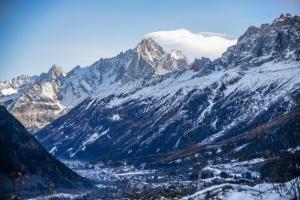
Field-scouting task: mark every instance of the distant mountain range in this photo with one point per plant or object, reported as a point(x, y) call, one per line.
point(253, 82)
point(38, 100)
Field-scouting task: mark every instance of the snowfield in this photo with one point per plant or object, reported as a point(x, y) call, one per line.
point(60, 196)
point(263, 191)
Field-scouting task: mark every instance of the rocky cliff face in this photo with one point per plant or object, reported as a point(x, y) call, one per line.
point(38, 100)
point(39, 103)
point(209, 103)
point(161, 62)
point(276, 41)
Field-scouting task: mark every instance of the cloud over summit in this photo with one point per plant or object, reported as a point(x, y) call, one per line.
point(194, 45)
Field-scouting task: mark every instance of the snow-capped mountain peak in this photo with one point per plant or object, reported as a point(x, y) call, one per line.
point(150, 50)
point(276, 41)
point(161, 61)
point(55, 72)
point(55, 92)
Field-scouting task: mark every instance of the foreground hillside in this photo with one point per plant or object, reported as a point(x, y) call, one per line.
point(26, 168)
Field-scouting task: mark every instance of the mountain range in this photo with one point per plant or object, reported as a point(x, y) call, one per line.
point(157, 110)
point(38, 100)
point(252, 83)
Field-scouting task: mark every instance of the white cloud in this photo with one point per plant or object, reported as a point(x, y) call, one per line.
point(194, 45)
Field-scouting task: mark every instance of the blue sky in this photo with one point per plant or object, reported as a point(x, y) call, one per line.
point(37, 34)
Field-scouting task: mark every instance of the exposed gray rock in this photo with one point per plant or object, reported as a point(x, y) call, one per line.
point(276, 41)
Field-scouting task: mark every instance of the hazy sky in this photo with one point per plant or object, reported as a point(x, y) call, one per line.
point(37, 34)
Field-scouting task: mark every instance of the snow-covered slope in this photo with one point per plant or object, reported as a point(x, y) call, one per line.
point(38, 100)
point(165, 114)
point(264, 191)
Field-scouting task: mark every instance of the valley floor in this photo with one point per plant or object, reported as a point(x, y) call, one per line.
point(126, 181)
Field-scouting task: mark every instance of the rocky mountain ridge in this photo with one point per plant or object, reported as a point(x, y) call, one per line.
point(270, 42)
point(38, 100)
